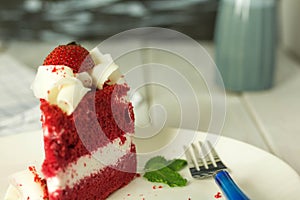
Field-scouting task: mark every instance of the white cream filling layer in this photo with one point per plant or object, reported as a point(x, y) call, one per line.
point(89, 164)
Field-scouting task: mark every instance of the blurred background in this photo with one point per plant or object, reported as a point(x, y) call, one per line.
point(55, 21)
point(47, 20)
point(255, 44)
point(98, 19)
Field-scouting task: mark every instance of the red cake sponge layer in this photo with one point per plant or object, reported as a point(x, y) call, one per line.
point(100, 117)
point(100, 185)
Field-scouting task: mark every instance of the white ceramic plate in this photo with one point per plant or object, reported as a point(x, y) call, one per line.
point(259, 174)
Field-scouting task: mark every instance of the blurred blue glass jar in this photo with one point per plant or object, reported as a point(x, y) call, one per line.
point(245, 40)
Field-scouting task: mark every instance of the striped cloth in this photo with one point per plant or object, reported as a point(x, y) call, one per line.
point(19, 111)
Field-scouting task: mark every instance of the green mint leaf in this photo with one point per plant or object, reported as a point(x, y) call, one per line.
point(166, 175)
point(177, 164)
point(156, 163)
point(158, 169)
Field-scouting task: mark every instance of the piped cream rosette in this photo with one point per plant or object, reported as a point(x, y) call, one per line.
point(60, 86)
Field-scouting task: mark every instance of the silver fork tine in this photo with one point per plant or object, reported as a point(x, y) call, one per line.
point(203, 160)
point(191, 159)
point(199, 155)
point(208, 157)
point(216, 157)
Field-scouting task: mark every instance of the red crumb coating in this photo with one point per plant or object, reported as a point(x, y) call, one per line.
point(100, 185)
point(71, 55)
point(100, 117)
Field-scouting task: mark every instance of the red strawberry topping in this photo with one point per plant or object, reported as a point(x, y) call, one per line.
point(71, 55)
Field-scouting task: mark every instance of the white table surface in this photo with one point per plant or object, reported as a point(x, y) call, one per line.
point(266, 119)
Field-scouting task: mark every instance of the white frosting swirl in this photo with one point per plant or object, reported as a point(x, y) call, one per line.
point(60, 86)
point(105, 69)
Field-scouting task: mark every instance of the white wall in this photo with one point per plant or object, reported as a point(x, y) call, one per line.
point(290, 25)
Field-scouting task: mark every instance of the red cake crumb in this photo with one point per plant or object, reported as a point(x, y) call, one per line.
point(154, 187)
point(218, 195)
point(40, 181)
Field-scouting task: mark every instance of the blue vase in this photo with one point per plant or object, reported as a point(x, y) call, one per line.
point(245, 40)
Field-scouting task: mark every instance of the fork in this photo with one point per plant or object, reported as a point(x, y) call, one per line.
point(204, 162)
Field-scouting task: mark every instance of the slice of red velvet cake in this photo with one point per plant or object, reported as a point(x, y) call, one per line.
point(87, 123)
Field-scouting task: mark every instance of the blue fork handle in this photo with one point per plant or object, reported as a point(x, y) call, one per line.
point(228, 186)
